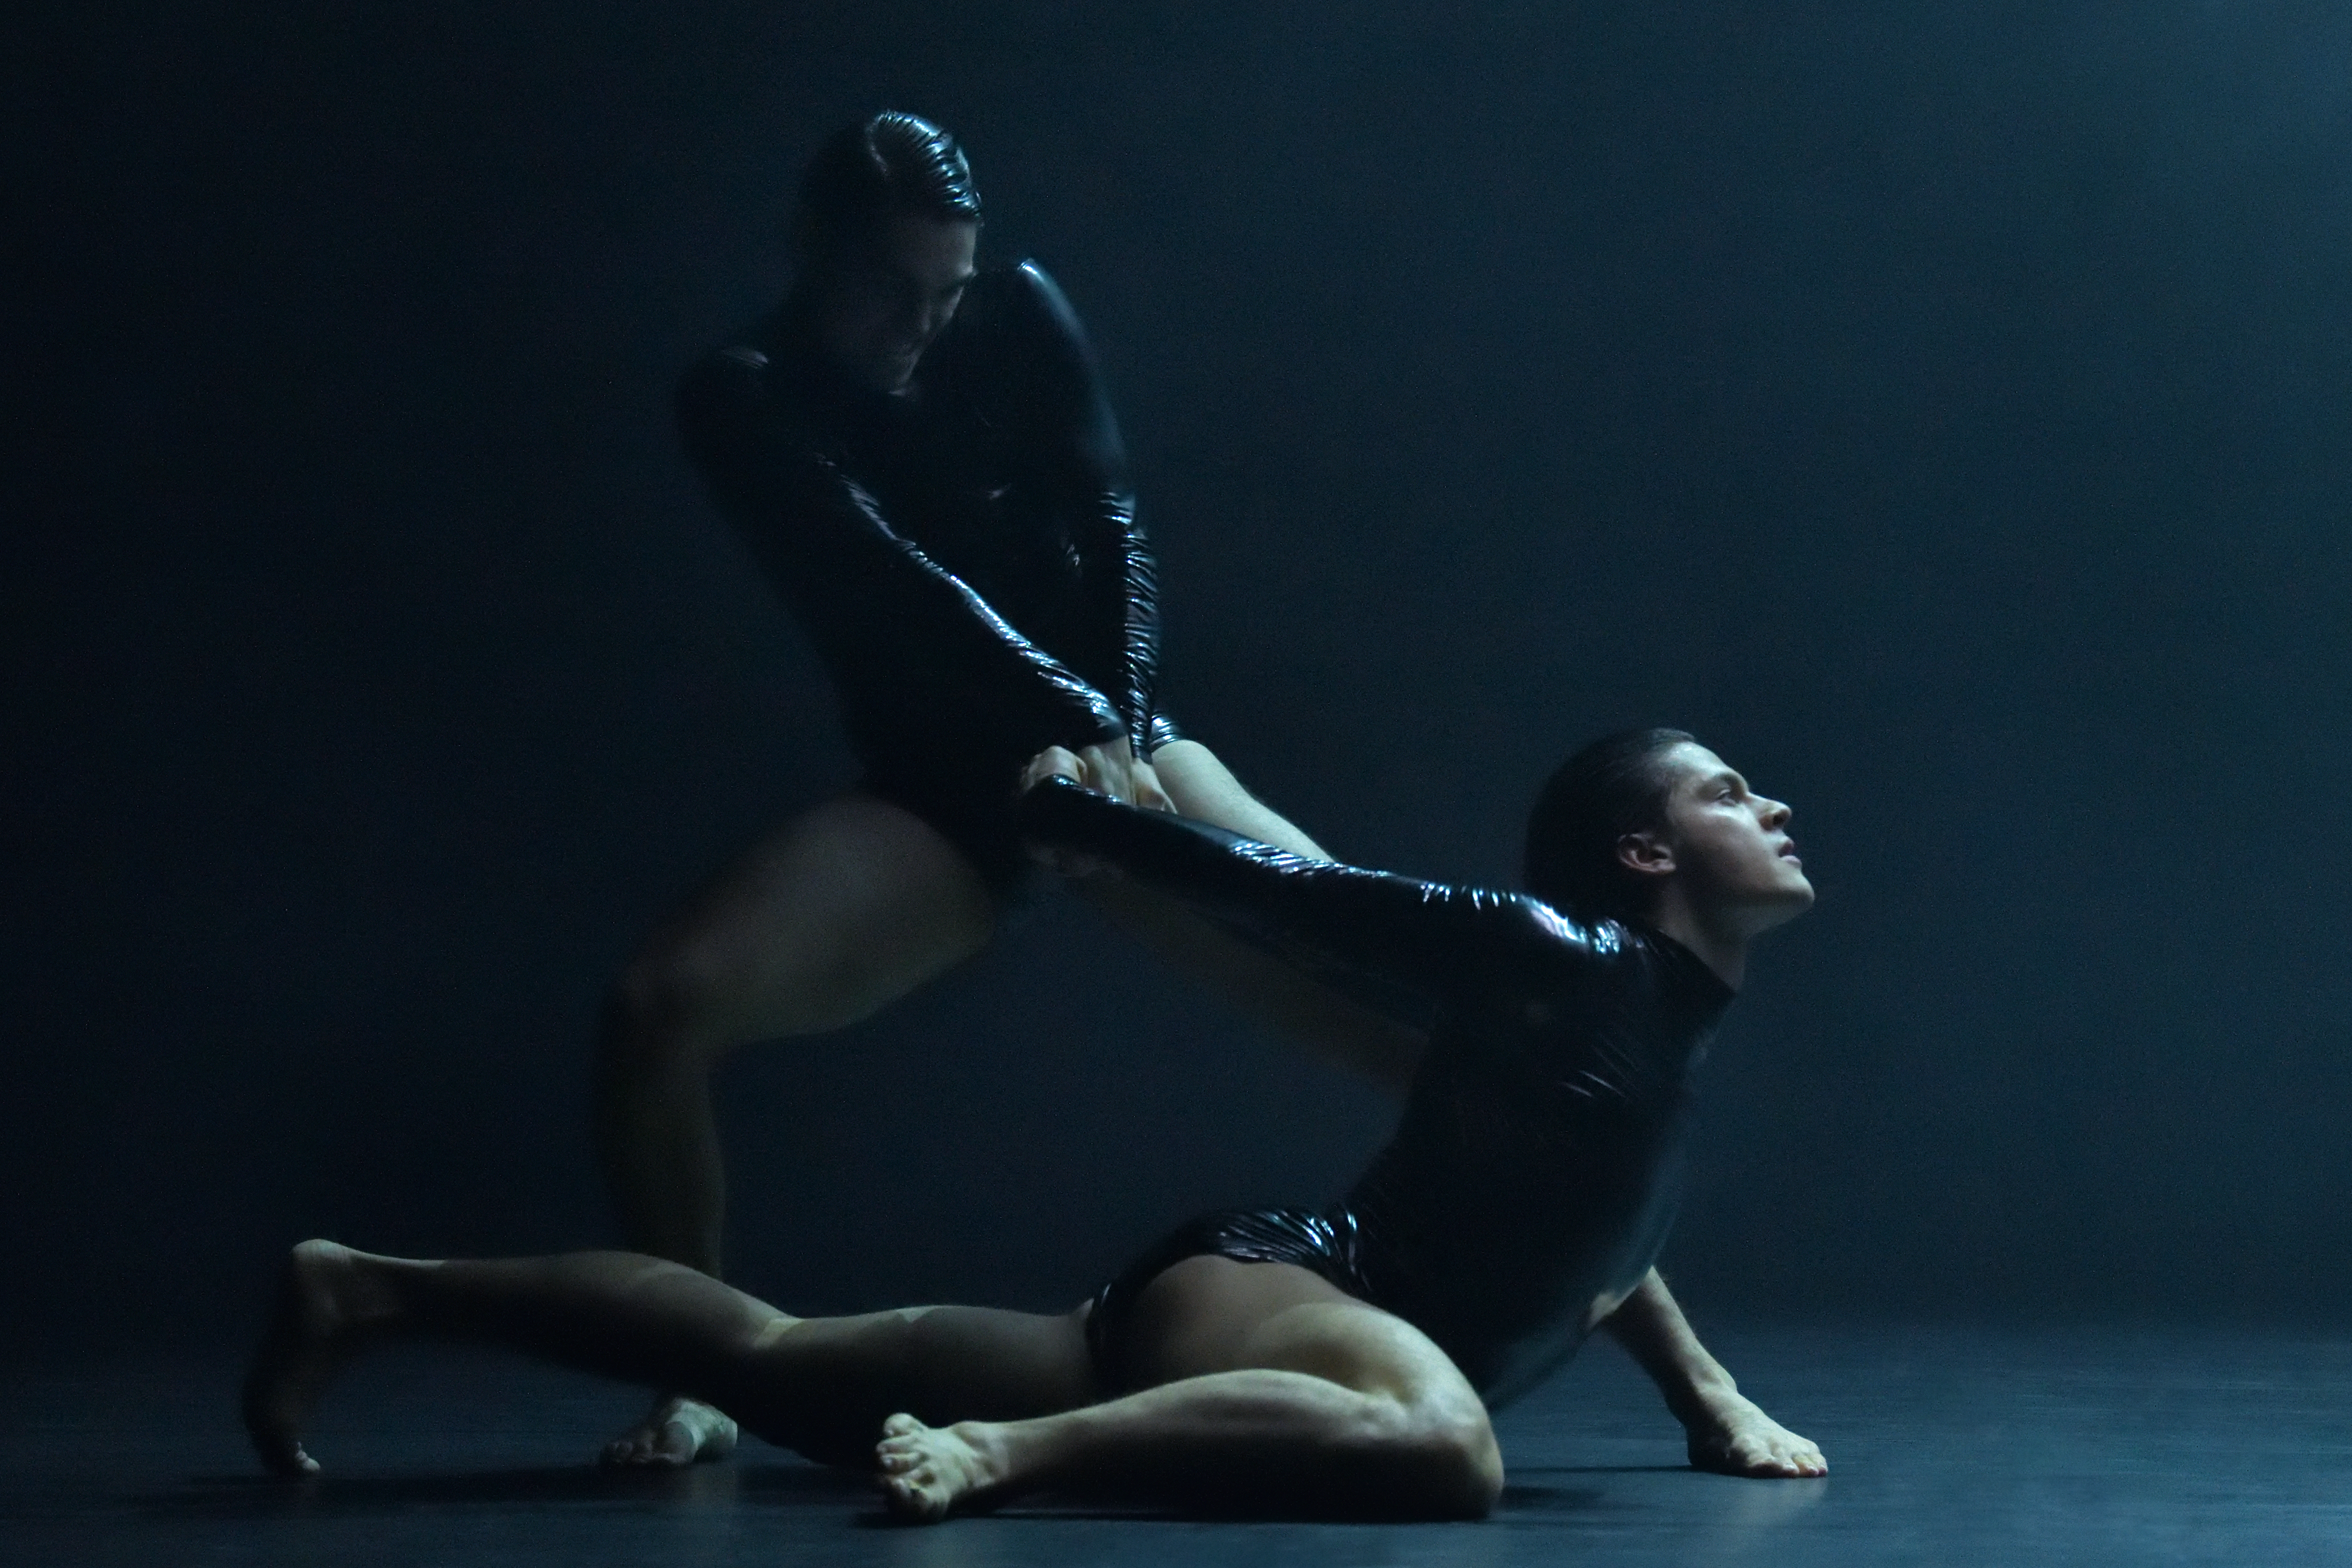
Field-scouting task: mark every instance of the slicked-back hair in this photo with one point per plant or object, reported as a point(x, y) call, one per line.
point(1610, 787)
point(892, 163)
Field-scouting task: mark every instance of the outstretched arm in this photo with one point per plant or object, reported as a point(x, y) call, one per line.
point(1369, 933)
point(1728, 1431)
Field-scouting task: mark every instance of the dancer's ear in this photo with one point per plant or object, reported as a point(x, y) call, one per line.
point(1647, 853)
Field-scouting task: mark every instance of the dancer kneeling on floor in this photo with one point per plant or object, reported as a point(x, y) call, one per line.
point(1333, 1361)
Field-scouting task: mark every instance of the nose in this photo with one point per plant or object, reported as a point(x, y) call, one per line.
point(1776, 812)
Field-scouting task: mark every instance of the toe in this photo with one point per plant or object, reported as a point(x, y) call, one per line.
point(647, 1451)
point(901, 1425)
point(672, 1445)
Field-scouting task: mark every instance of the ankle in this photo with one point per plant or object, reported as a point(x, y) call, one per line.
point(1693, 1388)
point(1007, 1455)
point(1709, 1406)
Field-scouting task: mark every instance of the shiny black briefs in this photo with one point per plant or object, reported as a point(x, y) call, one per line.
point(1326, 1244)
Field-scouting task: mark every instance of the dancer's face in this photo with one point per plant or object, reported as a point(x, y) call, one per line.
point(1727, 845)
point(881, 294)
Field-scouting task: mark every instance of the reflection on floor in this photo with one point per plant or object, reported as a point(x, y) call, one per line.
point(1947, 1446)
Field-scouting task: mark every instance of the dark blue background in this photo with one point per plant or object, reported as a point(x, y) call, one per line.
point(1943, 410)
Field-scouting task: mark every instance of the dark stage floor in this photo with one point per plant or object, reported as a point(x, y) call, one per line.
point(1947, 1448)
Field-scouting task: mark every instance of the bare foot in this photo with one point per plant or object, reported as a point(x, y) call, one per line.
point(675, 1433)
point(928, 1471)
point(1737, 1439)
point(315, 1327)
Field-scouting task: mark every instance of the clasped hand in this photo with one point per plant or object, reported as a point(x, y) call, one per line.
point(1109, 768)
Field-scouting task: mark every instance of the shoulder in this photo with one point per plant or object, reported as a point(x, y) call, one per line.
point(1022, 312)
point(1041, 300)
point(1601, 942)
point(1556, 951)
point(1509, 932)
point(1023, 291)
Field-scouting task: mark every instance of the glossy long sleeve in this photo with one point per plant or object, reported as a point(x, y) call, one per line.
point(1391, 931)
point(1122, 582)
point(1084, 466)
point(855, 581)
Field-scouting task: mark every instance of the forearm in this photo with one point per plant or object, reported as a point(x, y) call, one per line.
point(871, 598)
point(1216, 872)
point(1728, 1432)
point(1078, 472)
point(1366, 932)
point(1651, 1328)
point(881, 611)
point(1134, 615)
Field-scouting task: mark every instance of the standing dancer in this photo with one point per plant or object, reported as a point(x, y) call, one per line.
point(920, 455)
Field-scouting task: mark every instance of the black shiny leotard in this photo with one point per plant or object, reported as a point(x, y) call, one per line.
point(1535, 1171)
point(963, 554)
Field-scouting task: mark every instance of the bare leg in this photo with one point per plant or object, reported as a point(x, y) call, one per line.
point(1202, 786)
point(822, 1385)
point(1281, 1395)
point(1728, 1432)
point(843, 911)
point(1262, 987)
point(1344, 1032)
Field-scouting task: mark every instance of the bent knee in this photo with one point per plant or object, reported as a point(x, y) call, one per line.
point(1469, 1464)
point(669, 1004)
point(691, 1005)
point(1448, 1465)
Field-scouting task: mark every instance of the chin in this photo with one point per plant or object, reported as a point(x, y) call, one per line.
point(1793, 902)
point(1787, 897)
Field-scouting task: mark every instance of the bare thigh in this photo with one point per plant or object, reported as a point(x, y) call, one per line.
point(839, 912)
point(1202, 786)
point(1341, 1030)
point(825, 1385)
point(1211, 1314)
